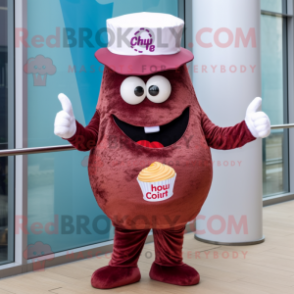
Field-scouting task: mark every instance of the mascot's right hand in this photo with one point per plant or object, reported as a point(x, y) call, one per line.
point(65, 123)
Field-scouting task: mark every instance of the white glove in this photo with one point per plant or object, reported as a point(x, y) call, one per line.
point(65, 123)
point(257, 121)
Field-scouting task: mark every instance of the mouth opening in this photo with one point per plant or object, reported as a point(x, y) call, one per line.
point(168, 134)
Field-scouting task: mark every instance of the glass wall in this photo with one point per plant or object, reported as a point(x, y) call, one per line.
point(63, 36)
point(274, 93)
point(6, 131)
point(272, 5)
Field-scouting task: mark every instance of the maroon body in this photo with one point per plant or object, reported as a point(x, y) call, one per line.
point(116, 160)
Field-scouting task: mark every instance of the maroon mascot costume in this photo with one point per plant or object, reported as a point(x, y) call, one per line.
point(150, 165)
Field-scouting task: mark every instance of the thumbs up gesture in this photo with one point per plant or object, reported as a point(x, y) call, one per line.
point(257, 121)
point(65, 123)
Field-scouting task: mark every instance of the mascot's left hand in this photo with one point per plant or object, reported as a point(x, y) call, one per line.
point(257, 121)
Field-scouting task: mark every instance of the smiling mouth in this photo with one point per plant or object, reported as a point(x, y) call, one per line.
point(157, 136)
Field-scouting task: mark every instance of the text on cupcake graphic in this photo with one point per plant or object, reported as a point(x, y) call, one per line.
point(40, 67)
point(157, 182)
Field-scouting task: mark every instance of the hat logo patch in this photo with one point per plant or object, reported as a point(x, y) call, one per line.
point(143, 43)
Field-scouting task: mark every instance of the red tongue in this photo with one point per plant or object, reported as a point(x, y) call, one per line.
point(150, 145)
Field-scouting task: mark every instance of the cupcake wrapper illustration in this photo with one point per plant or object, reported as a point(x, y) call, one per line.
point(158, 191)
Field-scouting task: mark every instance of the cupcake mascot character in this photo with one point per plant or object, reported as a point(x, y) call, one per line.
point(158, 171)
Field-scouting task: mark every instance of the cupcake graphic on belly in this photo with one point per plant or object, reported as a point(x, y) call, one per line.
point(157, 182)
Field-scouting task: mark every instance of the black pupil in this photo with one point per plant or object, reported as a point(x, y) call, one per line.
point(154, 90)
point(139, 91)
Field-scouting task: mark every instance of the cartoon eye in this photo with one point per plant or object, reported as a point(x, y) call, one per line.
point(133, 90)
point(35, 67)
point(44, 66)
point(159, 89)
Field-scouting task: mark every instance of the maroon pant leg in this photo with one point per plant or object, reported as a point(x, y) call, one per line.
point(127, 247)
point(168, 246)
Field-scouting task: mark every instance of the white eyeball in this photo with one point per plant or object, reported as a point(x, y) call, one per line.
point(158, 89)
point(133, 90)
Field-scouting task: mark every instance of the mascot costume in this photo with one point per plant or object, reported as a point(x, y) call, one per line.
point(150, 164)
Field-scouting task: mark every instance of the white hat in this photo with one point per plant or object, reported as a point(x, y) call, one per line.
point(145, 33)
point(154, 38)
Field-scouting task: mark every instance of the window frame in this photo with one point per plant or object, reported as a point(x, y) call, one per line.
point(285, 142)
point(288, 51)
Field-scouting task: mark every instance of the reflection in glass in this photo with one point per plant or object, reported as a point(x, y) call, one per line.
point(272, 67)
point(62, 211)
point(274, 169)
point(275, 163)
point(272, 5)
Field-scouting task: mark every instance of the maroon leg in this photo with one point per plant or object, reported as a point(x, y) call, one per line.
point(168, 266)
point(122, 269)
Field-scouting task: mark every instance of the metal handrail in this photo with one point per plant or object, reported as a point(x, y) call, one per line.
point(38, 150)
point(267, 12)
point(288, 126)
